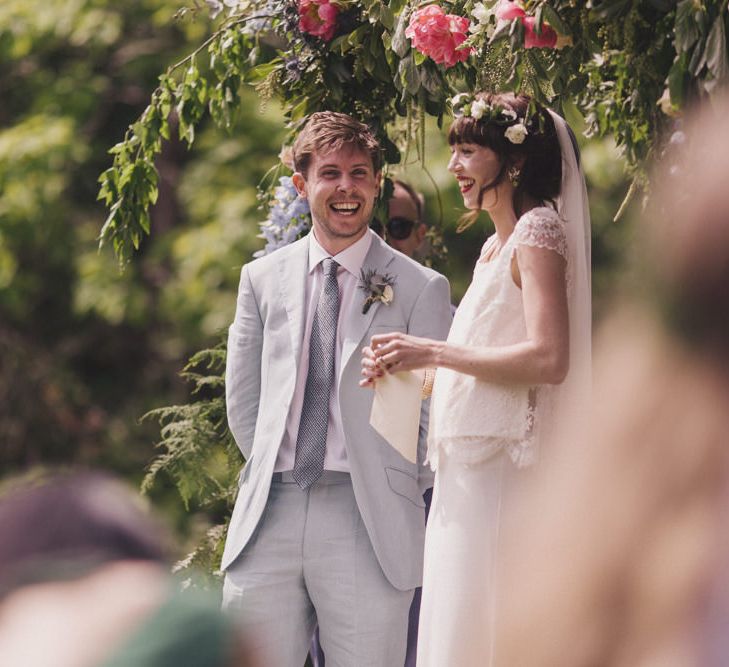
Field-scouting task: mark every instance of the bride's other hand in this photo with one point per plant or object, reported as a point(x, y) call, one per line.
point(397, 351)
point(371, 370)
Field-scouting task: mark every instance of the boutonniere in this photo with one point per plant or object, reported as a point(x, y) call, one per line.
point(377, 287)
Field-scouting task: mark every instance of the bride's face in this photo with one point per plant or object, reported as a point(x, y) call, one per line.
point(474, 166)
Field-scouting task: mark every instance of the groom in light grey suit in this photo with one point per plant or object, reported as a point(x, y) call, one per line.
point(328, 525)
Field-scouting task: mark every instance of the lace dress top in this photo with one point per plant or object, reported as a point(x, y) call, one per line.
point(472, 419)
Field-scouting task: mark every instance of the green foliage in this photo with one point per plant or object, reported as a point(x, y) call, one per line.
point(199, 455)
point(84, 349)
point(617, 59)
point(191, 432)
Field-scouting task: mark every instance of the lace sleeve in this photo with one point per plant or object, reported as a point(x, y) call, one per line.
point(542, 228)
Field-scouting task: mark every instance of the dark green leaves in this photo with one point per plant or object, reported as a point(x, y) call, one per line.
point(716, 50)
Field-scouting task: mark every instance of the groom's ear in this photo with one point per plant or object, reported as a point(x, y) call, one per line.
point(299, 181)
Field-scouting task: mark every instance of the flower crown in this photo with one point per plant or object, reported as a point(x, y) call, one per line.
point(517, 129)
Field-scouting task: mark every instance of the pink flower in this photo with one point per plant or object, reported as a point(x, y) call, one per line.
point(547, 39)
point(438, 35)
point(507, 10)
point(318, 18)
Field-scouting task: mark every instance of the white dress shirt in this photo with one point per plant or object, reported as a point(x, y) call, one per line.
point(350, 263)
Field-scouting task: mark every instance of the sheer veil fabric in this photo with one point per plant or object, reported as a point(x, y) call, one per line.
point(572, 397)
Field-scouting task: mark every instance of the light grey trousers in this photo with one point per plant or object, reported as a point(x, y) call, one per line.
point(310, 560)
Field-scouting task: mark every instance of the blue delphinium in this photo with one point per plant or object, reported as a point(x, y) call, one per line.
point(288, 218)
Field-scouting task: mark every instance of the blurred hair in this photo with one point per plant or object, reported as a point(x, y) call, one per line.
point(541, 173)
point(67, 523)
point(417, 198)
point(327, 131)
point(688, 230)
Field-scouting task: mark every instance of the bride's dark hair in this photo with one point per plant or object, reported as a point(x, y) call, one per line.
point(541, 172)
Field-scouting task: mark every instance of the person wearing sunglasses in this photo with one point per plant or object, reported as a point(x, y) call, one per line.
point(405, 229)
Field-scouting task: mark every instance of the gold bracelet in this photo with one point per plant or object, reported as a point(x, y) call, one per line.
point(428, 379)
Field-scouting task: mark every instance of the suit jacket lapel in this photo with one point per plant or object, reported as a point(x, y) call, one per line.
point(292, 274)
point(357, 324)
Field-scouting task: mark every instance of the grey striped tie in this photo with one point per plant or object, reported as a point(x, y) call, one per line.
point(312, 438)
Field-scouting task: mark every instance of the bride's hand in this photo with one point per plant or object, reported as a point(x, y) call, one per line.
point(371, 370)
point(397, 352)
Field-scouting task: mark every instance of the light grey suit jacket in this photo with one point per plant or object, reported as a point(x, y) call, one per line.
point(264, 348)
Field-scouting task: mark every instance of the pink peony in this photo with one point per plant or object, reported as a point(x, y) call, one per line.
point(507, 10)
point(547, 39)
point(318, 18)
point(438, 35)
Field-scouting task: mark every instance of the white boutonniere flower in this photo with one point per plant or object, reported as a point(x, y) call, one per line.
point(377, 287)
point(516, 133)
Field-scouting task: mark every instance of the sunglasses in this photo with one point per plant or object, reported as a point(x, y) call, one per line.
point(400, 228)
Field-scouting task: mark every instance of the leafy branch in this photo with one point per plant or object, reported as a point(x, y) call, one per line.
point(192, 435)
point(129, 188)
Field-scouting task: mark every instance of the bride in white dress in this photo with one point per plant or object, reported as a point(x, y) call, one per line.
point(518, 350)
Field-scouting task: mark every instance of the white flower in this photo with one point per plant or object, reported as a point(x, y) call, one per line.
point(509, 113)
point(482, 13)
point(455, 101)
point(483, 22)
point(478, 108)
point(387, 295)
point(516, 133)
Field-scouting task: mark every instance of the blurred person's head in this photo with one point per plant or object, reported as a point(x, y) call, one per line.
point(85, 581)
point(688, 230)
point(71, 522)
point(405, 227)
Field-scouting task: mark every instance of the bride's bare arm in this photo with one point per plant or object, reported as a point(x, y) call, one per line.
point(542, 358)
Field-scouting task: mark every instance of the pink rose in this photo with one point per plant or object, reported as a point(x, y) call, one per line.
point(438, 35)
point(507, 10)
point(547, 39)
point(318, 18)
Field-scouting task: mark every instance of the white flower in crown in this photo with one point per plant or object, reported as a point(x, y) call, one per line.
point(478, 109)
point(516, 133)
point(509, 114)
point(455, 101)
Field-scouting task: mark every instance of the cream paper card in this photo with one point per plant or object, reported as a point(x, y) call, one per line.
point(396, 411)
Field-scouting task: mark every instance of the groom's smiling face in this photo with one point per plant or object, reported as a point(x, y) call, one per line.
point(341, 187)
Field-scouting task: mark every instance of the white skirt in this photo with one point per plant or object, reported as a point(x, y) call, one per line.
point(457, 614)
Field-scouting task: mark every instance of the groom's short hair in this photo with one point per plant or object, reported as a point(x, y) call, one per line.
point(327, 131)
